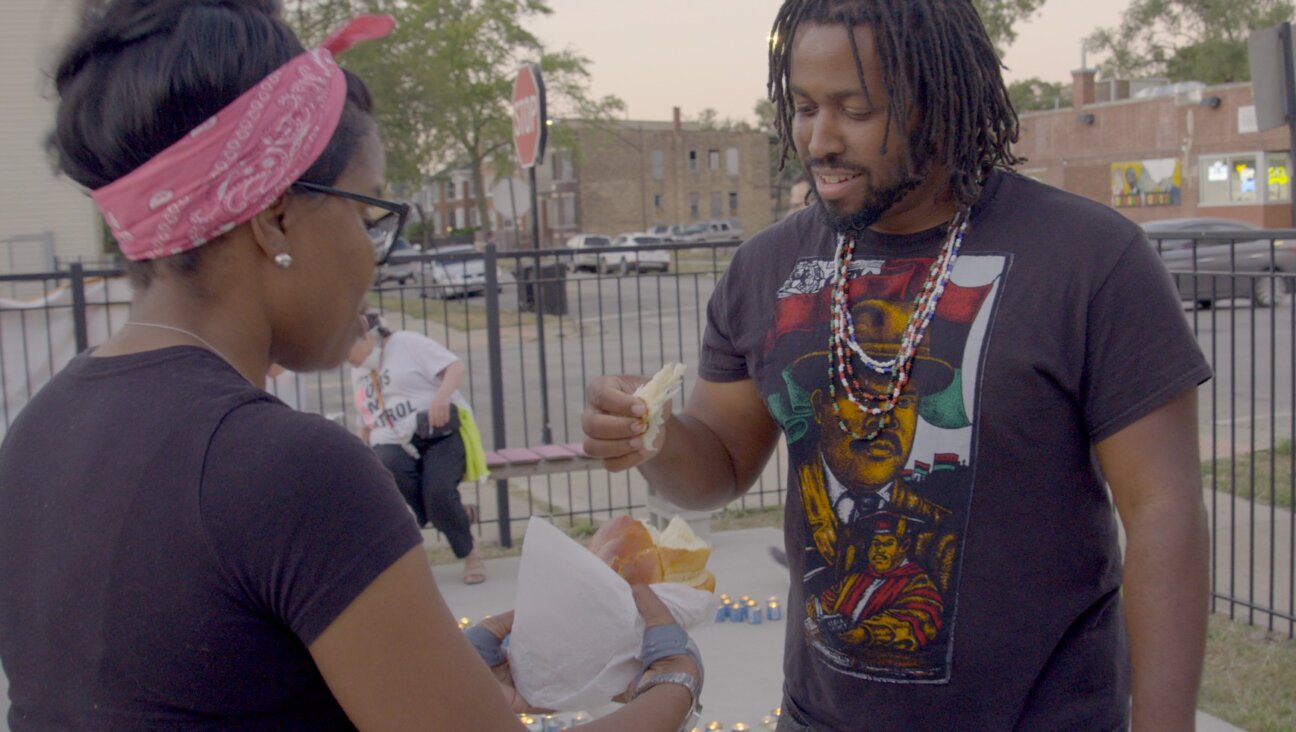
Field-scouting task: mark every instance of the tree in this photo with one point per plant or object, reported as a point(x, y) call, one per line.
point(1186, 40)
point(444, 79)
point(1034, 93)
point(709, 119)
point(781, 177)
point(1001, 17)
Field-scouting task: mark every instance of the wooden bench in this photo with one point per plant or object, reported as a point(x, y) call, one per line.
point(526, 462)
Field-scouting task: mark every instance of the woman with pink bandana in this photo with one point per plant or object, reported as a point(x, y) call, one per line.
point(178, 548)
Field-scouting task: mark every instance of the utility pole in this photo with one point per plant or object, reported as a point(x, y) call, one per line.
point(1289, 86)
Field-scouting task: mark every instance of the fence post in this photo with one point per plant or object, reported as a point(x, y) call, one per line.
point(79, 307)
point(495, 355)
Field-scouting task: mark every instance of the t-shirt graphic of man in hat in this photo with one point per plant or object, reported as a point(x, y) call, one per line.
point(884, 599)
point(863, 497)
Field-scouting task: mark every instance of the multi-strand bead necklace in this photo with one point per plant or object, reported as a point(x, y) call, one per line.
point(842, 342)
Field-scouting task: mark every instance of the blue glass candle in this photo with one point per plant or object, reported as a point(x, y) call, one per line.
point(772, 609)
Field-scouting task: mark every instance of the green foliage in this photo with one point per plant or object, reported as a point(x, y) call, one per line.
point(709, 119)
point(1031, 94)
point(781, 177)
point(1249, 673)
point(1000, 17)
point(444, 78)
point(1186, 40)
point(1263, 477)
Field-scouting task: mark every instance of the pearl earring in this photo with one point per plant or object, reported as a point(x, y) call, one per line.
point(283, 260)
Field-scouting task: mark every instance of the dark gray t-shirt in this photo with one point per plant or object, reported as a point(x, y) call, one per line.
point(172, 539)
point(961, 570)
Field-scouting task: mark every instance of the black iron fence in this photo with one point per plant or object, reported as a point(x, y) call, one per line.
point(533, 328)
point(1237, 287)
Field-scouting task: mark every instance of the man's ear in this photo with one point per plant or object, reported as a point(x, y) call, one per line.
point(268, 228)
point(816, 398)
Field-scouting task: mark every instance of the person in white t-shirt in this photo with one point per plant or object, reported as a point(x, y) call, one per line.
point(397, 375)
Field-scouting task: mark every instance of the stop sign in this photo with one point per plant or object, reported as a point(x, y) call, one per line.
point(529, 131)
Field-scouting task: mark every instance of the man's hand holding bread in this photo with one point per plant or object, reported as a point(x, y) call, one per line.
point(625, 416)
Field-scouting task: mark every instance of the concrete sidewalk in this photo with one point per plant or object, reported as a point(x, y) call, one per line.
point(743, 662)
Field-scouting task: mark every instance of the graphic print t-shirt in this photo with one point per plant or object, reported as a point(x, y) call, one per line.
point(391, 396)
point(959, 569)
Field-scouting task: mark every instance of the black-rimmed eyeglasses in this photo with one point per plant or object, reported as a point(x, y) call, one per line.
point(383, 230)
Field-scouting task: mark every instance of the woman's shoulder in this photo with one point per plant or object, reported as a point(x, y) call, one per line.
point(285, 447)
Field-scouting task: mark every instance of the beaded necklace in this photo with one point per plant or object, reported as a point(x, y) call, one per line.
point(842, 342)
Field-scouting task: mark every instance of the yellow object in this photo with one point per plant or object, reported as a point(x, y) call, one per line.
point(475, 469)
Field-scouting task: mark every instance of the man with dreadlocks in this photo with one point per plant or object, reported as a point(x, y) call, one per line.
point(950, 345)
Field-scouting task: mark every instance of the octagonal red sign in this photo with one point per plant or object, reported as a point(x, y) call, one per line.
point(529, 131)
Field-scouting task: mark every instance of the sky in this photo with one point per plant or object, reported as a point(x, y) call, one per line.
point(694, 54)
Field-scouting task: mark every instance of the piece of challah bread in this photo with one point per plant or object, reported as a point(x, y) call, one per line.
point(661, 388)
point(626, 545)
point(637, 552)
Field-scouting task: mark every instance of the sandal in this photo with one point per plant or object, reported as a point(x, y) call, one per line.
point(474, 569)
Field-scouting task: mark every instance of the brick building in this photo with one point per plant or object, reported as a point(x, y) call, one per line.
point(1174, 151)
point(632, 175)
point(448, 202)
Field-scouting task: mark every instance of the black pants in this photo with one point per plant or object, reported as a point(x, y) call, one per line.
point(430, 486)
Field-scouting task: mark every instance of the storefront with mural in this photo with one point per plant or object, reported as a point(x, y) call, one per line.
point(1188, 152)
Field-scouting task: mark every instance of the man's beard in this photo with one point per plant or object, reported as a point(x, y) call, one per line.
point(876, 203)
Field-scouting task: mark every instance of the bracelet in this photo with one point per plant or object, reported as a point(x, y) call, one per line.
point(663, 641)
point(687, 680)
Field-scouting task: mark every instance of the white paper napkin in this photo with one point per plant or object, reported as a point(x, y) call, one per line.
point(576, 630)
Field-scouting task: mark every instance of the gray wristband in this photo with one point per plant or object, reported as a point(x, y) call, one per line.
point(664, 641)
point(488, 646)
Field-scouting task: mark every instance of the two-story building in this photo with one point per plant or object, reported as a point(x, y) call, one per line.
point(627, 176)
point(1168, 151)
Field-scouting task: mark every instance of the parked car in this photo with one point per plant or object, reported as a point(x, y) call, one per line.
point(640, 260)
point(587, 245)
point(1243, 254)
point(462, 273)
point(667, 232)
point(707, 231)
point(398, 268)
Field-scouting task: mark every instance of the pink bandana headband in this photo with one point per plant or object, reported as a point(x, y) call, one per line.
point(238, 162)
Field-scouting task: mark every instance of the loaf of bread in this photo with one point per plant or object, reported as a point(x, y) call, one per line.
point(637, 552)
point(627, 546)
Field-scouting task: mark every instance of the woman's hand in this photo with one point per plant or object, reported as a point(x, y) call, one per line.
point(439, 413)
point(499, 626)
point(655, 613)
